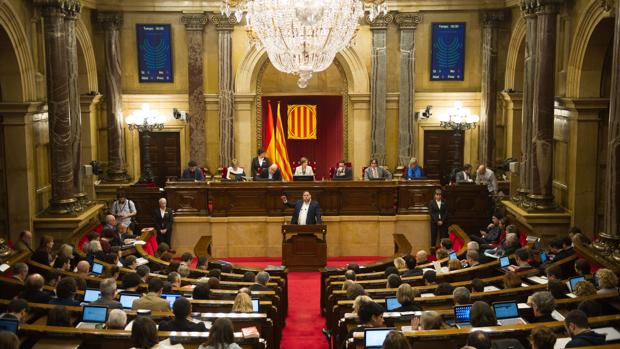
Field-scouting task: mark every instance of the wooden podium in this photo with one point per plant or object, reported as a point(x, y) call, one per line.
point(304, 247)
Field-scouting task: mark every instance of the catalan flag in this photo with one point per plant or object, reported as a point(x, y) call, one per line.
point(270, 139)
point(281, 153)
point(301, 121)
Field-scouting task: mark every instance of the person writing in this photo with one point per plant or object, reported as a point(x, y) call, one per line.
point(193, 172)
point(273, 173)
point(235, 172)
point(303, 169)
point(306, 210)
point(413, 170)
point(343, 172)
point(464, 176)
point(260, 162)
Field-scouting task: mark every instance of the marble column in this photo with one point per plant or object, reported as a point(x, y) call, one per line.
point(488, 104)
point(63, 201)
point(111, 22)
point(543, 99)
point(610, 237)
point(378, 82)
point(194, 28)
point(224, 28)
point(74, 103)
point(407, 123)
point(525, 183)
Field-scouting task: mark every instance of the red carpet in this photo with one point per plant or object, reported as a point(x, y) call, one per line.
point(304, 322)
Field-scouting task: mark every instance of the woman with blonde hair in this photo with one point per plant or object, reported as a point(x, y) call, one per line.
point(454, 264)
point(234, 172)
point(242, 304)
point(406, 297)
point(303, 169)
point(357, 303)
point(607, 281)
point(584, 288)
point(400, 263)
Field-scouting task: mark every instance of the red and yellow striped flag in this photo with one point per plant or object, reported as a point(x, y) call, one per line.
point(281, 152)
point(270, 140)
point(301, 121)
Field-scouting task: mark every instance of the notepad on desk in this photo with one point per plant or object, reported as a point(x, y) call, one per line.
point(490, 288)
point(142, 261)
point(538, 279)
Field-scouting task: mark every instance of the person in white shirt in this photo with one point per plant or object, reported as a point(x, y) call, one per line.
point(235, 172)
point(306, 210)
point(439, 214)
point(486, 176)
point(304, 169)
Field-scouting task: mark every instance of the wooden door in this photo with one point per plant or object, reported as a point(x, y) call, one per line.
point(165, 151)
point(443, 151)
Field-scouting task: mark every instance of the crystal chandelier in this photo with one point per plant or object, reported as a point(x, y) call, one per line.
point(302, 36)
point(145, 120)
point(459, 118)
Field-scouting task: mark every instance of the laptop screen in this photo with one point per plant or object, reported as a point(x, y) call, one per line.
point(453, 256)
point(391, 303)
point(506, 310)
point(127, 300)
point(91, 313)
point(171, 298)
point(573, 281)
point(543, 258)
point(91, 295)
point(303, 178)
point(504, 262)
point(255, 304)
point(461, 313)
point(97, 268)
point(9, 325)
point(374, 337)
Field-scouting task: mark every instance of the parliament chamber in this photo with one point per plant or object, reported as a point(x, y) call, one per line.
point(226, 174)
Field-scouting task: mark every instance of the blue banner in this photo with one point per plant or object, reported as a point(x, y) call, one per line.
point(154, 53)
point(448, 51)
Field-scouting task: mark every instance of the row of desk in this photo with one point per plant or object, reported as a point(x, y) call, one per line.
point(467, 204)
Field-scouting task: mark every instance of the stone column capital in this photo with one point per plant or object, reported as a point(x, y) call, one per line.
point(110, 20)
point(223, 23)
point(408, 20)
point(492, 18)
point(548, 6)
point(196, 21)
point(608, 5)
point(59, 7)
point(380, 22)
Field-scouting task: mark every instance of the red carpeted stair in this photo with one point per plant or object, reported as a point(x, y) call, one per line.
point(304, 322)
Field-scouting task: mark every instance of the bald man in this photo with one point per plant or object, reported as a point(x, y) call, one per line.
point(273, 173)
point(25, 242)
point(421, 257)
point(82, 269)
point(33, 290)
point(486, 177)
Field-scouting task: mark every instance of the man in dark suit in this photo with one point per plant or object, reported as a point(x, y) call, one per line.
point(343, 172)
point(163, 218)
point(306, 210)
point(439, 215)
point(260, 162)
point(273, 173)
point(260, 282)
point(182, 310)
point(464, 176)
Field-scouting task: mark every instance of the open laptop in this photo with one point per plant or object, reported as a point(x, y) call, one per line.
point(504, 262)
point(572, 282)
point(543, 257)
point(97, 268)
point(374, 337)
point(93, 316)
point(127, 299)
point(91, 295)
point(461, 316)
point(303, 178)
point(171, 298)
point(9, 325)
point(507, 313)
point(452, 256)
point(255, 305)
point(391, 303)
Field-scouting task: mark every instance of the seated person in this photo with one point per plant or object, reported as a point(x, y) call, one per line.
point(273, 173)
point(143, 272)
point(144, 333)
point(441, 254)
point(193, 172)
point(430, 277)
point(20, 271)
point(446, 244)
point(234, 172)
point(406, 297)
point(464, 176)
point(354, 291)
point(343, 172)
point(491, 235)
point(370, 315)
point(444, 289)
point(430, 320)
point(542, 304)
point(461, 296)
point(221, 336)
point(578, 327)
point(260, 282)
point(130, 283)
point(542, 338)
point(582, 289)
point(374, 171)
point(511, 280)
point(559, 290)
point(152, 300)
point(174, 279)
point(242, 304)
point(117, 320)
point(607, 281)
point(411, 263)
point(303, 169)
point(482, 315)
point(522, 257)
point(182, 310)
point(201, 291)
point(560, 248)
point(393, 281)
point(591, 307)
point(65, 292)
point(33, 290)
point(471, 258)
point(421, 257)
point(357, 303)
point(582, 267)
point(17, 309)
point(108, 293)
point(454, 264)
point(413, 170)
point(477, 285)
